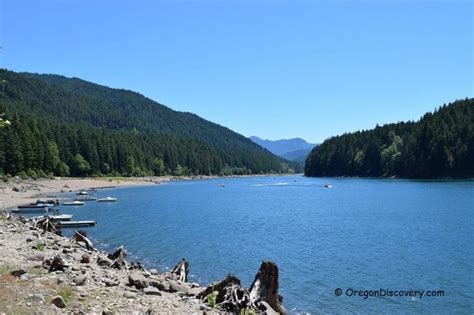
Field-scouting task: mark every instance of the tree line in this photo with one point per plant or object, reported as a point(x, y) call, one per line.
point(55, 130)
point(439, 145)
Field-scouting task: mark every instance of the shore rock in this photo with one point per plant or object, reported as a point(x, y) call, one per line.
point(85, 258)
point(80, 280)
point(138, 280)
point(58, 301)
point(57, 264)
point(104, 261)
point(177, 287)
point(151, 291)
point(129, 295)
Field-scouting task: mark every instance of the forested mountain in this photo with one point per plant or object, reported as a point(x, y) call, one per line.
point(440, 144)
point(285, 147)
point(66, 126)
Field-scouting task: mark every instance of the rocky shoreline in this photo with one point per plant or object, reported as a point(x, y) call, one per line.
point(42, 272)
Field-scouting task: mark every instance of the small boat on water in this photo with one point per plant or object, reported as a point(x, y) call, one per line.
point(73, 203)
point(72, 224)
point(61, 217)
point(82, 193)
point(107, 199)
point(222, 185)
point(327, 185)
point(48, 203)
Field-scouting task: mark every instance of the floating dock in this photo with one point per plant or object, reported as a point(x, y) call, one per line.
point(85, 198)
point(30, 210)
point(73, 224)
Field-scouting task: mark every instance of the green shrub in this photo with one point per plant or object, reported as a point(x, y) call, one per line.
point(66, 294)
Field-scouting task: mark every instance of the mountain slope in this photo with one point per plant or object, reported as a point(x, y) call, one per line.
point(285, 146)
point(298, 156)
point(62, 125)
point(440, 144)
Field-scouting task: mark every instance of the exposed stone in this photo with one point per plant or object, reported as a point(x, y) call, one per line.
point(151, 291)
point(36, 297)
point(74, 305)
point(57, 264)
point(138, 280)
point(67, 251)
point(129, 295)
point(80, 280)
point(153, 271)
point(18, 273)
point(36, 257)
point(85, 258)
point(110, 283)
point(177, 287)
point(58, 301)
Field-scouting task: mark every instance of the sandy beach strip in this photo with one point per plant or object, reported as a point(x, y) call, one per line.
point(18, 191)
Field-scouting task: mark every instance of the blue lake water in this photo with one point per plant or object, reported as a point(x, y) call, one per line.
point(361, 234)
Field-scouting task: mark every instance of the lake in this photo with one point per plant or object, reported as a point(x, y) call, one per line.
point(359, 235)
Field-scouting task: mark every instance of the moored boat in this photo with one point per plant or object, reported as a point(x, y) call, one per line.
point(107, 199)
point(73, 203)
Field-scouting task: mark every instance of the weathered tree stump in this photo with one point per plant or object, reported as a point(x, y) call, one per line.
point(79, 236)
point(118, 258)
point(228, 281)
point(265, 287)
point(46, 224)
point(180, 271)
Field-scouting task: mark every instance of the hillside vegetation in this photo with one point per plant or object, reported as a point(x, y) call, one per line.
point(65, 126)
point(440, 144)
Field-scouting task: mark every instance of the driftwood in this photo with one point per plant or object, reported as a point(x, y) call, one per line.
point(180, 271)
point(118, 258)
point(80, 236)
point(265, 287)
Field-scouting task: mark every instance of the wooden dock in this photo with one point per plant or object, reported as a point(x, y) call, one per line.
point(73, 224)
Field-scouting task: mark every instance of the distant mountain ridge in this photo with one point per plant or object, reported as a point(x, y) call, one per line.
point(295, 149)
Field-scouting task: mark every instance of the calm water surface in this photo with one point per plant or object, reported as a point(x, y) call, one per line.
point(361, 234)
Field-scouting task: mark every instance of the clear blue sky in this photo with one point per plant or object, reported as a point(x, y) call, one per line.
point(275, 69)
